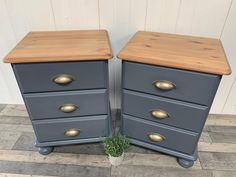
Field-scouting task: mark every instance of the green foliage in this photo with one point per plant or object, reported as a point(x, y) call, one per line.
point(116, 145)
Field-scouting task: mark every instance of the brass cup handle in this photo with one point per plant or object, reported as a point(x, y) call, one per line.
point(160, 114)
point(156, 137)
point(164, 85)
point(72, 132)
point(63, 79)
point(68, 108)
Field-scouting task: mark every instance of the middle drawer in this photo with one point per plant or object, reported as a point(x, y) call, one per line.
point(66, 104)
point(166, 111)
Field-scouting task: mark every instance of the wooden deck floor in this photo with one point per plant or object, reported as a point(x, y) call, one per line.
point(19, 157)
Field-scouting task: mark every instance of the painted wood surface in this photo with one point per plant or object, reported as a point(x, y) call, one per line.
point(122, 18)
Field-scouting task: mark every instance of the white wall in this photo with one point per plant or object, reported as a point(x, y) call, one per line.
point(122, 18)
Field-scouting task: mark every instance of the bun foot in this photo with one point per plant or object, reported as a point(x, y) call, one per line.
point(185, 163)
point(45, 150)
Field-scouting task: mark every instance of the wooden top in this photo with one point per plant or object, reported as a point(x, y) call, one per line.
point(52, 46)
point(177, 51)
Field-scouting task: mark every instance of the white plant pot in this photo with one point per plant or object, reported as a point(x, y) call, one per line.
point(116, 160)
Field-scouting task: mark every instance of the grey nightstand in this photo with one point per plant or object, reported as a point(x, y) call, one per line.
point(63, 78)
point(169, 83)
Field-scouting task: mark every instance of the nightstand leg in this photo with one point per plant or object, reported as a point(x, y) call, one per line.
point(45, 150)
point(185, 163)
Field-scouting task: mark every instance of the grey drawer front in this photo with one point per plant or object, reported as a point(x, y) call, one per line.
point(175, 139)
point(181, 114)
point(54, 130)
point(38, 77)
point(46, 105)
point(190, 86)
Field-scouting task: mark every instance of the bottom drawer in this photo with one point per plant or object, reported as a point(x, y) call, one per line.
point(71, 128)
point(161, 135)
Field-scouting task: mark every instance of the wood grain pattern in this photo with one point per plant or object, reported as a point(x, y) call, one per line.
point(52, 46)
point(178, 51)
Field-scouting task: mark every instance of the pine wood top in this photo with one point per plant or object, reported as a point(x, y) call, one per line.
point(52, 46)
point(177, 51)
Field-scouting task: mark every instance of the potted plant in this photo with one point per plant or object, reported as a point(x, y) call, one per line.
point(114, 147)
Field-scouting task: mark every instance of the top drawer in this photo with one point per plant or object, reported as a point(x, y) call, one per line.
point(178, 84)
point(43, 77)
